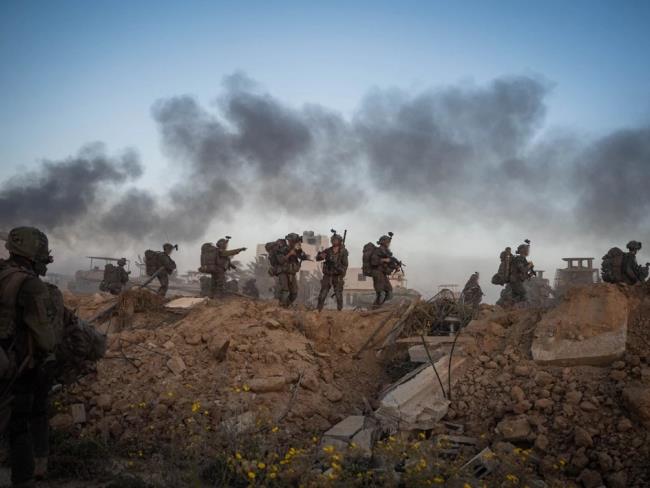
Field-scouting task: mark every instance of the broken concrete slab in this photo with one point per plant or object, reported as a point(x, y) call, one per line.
point(418, 354)
point(417, 401)
point(347, 428)
point(364, 440)
point(481, 465)
point(186, 302)
point(589, 327)
point(436, 340)
point(176, 365)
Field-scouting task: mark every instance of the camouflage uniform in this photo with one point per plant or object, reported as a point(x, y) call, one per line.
point(289, 256)
point(472, 293)
point(520, 271)
point(27, 336)
point(169, 266)
point(218, 278)
point(334, 269)
point(631, 270)
point(114, 286)
point(382, 265)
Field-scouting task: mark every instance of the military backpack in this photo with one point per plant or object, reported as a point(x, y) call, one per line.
point(152, 261)
point(368, 250)
point(209, 258)
point(611, 268)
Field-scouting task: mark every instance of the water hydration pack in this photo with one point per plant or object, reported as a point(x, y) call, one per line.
point(611, 269)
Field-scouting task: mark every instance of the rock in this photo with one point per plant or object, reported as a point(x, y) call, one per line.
point(104, 401)
point(618, 375)
point(624, 424)
point(61, 421)
point(588, 406)
point(193, 339)
point(169, 345)
point(617, 480)
point(522, 407)
point(492, 365)
point(347, 428)
point(333, 394)
point(582, 438)
point(541, 442)
point(310, 382)
point(543, 378)
point(496, 329)
point(637, 401)
point(590, 479)
point(345, 348)
point(579, 460)
point(618, 364)
point(272, 324)
point(522, 370)
point(78, 412)
point(573, 397)
point(598, 314)
point(176, 365)
point(267, 384)
point(605, 462)
point(514, 428)
point(544, 403)
point(517, 393)
point(186, 302)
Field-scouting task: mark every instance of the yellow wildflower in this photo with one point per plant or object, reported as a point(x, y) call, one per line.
point(238, 456)
point(261, 465)
point(246, 388)
point(512, 478)
point(275, 429)
point(196, 406)
point(251, 475)
point(438, 480)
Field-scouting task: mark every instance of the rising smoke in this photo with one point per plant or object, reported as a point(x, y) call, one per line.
point(479, 149)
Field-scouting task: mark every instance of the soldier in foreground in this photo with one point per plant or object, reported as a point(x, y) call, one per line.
point(115, 277)
point(335, 267)
point(286, 257)
point(223, 264)
point(379, 263)
point(472, 293)
point(27, 338)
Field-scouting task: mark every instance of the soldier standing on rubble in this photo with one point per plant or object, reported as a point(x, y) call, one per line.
point(472, 293)
point(382, 265)
point(27, 339)
point(520, 271)
point(288, 255)
point(115, 278)
point(632, 271)
point(168, 266)
point(224, 255)
point(334, 269)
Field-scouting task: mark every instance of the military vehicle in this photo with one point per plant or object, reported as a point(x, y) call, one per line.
point(87, 281)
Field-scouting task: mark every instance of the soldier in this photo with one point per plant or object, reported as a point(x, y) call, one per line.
point(286, 259)
point(168, 265)
point(334, 269)
point(520, 271)
point(115, 278)
point(27, 339)
point(218, 283)
point(472, 293)
point(631, 270)
point(383, 264)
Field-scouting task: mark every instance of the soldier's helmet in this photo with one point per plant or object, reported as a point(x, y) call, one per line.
point(167, 246)
point(121, 262)
point(30, 243)
point(385, 239)
point(223, 243)
point(522, 247)
point(634, 245)
point(292, 237)
point(336, 237)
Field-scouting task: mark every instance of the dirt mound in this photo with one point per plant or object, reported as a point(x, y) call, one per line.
point(237, 364)
point(582, 422)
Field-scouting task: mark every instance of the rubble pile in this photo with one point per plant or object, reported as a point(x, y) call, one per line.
point(237, 364)
point(567, 385)
point(583, 410)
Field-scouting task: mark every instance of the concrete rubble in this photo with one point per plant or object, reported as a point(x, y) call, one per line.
point(186, 302)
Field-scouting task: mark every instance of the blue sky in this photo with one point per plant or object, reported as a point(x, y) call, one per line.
point(73, 72)
point(77, 71)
